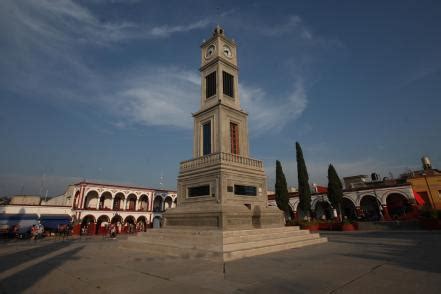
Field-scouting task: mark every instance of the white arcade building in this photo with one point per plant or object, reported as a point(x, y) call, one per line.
point(93, 204)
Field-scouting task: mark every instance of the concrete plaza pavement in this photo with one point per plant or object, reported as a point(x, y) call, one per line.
point(354, 262)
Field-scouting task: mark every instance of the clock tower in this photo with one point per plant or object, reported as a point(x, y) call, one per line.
point(222, 208)
point(221, 187)
point(220, 125)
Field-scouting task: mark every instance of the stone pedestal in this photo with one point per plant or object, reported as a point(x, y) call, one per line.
point(223, 217)
point(226, 178)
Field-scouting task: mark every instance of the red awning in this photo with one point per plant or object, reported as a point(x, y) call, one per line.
point(321, 189)
point(419, 200)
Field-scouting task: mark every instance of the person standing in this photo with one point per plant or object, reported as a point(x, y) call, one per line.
point(34, 232)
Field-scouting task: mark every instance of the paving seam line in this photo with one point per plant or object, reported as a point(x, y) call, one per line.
point(144, 273)
point(357, 278)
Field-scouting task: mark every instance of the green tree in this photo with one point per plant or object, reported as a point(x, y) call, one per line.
point(335, 190)
point(303, 181)
point(282, 198)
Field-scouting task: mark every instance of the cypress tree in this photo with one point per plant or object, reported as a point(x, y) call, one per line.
point(281, 188)
point(303, 181)
point(335, 189)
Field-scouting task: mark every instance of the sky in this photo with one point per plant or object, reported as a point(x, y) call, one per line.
point(103, 90)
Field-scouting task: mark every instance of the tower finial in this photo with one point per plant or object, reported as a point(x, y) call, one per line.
point(218, 30)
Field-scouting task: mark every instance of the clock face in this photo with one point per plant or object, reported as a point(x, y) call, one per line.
point(210, 51)
point(227, 51)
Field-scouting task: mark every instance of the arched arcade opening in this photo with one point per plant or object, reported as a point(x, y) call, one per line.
point(118, 222)
point(168, 202)
point(129, 224)
point(157, 204)
point(157, 222)
point(398, 206)
point(105, 201)
point(131, 202)
point(370, 208)
point(323, 210)
point(118, 201)
point(143, 203)
point(141, 224)
point(101, 224)
point(91, 200)
point(348, 209)
point(88, 225)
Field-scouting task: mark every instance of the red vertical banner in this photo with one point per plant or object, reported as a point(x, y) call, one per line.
point(234, 138)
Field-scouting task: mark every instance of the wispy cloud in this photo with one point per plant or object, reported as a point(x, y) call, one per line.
point(163, 96)
point(165, 31)
point(272, 113)
point(294, 23)
point(65, 21)
point(44, 58)
point(166, 96)
point(43, 50)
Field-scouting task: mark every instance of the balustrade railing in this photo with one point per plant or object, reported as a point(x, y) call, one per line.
point(213, 158)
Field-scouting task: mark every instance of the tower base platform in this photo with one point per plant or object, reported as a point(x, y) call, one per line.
point(226, 245)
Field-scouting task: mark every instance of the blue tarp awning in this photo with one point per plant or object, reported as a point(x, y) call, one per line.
point(18, 217)
point(53, 221)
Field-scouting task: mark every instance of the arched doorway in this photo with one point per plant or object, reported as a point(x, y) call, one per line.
point(101, 224)
point(398, 205)
point(131, 202)
point(168, 202)
point(156, 222)
point(129, 224)
point(118, 201)
point(323, 210)
point(157, 204)
point(88, 225)
point(91, 200)
point(141, 224)
point(143, 203)
point(348, 209)
point(118, 222)
point(105, 201)
point(369, 205)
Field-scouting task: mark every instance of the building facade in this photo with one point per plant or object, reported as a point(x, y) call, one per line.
point(94, 205)
point(379, 202)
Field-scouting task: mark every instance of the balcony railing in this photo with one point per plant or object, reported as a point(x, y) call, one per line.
point(221, 157)
point(114, 209)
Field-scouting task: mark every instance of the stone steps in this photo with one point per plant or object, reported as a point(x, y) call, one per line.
point(268, 242)
point(259, 237)
point(260, 231)
point(229, 256)
point(209, 241)
point(201, 232)
point(229, 245)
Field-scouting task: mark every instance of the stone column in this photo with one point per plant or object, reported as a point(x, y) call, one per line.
point(386, 214)
point(358, 211)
